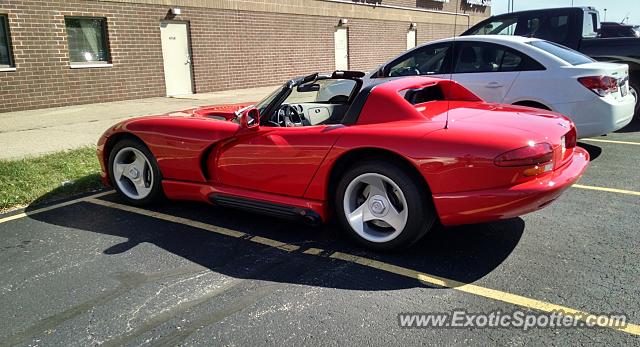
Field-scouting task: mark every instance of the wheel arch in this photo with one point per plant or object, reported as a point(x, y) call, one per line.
point(357, 155)
point(111, 142)
point(532, 103)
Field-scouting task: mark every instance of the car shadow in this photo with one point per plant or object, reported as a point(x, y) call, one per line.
point(464, 254)
point(80, 185)
point(594, 151)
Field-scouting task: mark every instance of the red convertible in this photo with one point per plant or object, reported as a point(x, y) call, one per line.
point(388, 160)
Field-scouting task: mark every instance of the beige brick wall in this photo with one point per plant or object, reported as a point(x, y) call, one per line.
point(250, 49)
point(371, 43)
point(231, 49)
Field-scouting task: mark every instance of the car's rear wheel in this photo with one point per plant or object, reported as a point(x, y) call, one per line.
point(633, 90)
point(382, 206)
point(134, 172)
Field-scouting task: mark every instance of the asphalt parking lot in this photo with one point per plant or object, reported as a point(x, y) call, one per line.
point(95, 271)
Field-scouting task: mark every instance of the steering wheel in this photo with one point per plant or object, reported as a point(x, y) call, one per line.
point(288, 116)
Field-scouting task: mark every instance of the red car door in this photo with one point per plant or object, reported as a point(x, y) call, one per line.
point(280, 160)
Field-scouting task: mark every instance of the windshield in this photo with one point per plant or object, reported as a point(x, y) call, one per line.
point(329, 91)
point(505, 26)
point(262, 105)
point(569, 55)
point(312, 89)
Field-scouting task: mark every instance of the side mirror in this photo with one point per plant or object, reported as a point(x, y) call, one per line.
point(310, 87)
point(250, 119)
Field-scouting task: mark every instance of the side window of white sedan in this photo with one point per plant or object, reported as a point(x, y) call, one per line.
point(475, 57)
point(427, 60)
point(478, 57)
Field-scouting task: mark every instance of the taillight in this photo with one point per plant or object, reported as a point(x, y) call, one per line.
point(534, 154)
point(601, 85)
point(571, 138)
point(567, 142)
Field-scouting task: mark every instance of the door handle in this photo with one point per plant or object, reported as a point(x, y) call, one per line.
point(494, 85)
point(187, 62)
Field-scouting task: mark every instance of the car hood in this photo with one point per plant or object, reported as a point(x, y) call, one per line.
point(217, 112)
point(186, 118)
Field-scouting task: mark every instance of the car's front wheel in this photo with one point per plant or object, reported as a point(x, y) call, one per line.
point(134, 172)
point(382, 206)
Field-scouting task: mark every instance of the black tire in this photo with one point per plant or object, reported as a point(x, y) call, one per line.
point(635, 89)
point(156, 194)
point(421, 212)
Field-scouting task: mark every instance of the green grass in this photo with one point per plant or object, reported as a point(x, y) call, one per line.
point(34, 180)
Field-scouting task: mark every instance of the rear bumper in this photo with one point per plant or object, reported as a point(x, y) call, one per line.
point(493, 204)
point(599, 116)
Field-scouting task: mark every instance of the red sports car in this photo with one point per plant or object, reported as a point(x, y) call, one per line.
point(387, 160)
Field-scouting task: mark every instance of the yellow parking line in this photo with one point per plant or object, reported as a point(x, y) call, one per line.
point(273, 243)
point(170, 218)
point(489, 293)
point(610, 190)
point(402, 271)
point(313, 251)
point(52, 207)
point(613, 141)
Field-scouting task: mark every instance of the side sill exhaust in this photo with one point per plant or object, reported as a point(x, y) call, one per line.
point(306, 216)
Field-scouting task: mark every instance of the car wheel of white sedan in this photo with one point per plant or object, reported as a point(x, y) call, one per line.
point(134, 173)
point(633, 90)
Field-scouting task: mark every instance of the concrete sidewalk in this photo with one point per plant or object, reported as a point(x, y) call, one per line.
point(36, 132)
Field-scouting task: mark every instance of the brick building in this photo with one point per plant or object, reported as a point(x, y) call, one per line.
point(64, 52)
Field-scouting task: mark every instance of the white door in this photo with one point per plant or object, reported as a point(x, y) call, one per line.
point(489, 86)
point(411, 39)
point(176, 54)
point(486, 69)
point(342, 48)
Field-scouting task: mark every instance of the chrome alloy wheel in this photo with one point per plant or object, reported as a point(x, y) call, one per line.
point(132, 173)
point(375, 207)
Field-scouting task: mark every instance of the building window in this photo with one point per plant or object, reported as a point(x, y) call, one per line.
point(6, 58)
point(88, 42)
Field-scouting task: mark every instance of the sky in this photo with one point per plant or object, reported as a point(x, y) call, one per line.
point(616, 9)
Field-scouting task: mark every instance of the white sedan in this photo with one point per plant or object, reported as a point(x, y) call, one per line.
point(528, 72)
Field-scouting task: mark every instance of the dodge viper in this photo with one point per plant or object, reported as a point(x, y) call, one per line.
point(388, 160)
